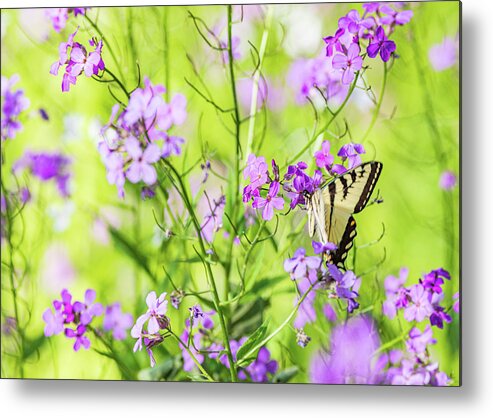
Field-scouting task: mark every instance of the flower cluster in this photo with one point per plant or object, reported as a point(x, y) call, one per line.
point(415, 367)
point(116, 321)
point(13, 104)
point(369, 32)
point(156, 320)
point(313, 274)
point(59, 16)
point(46, 167)
point(137, 137)
point(77, 60)
point(420, 301)
point(67, 315)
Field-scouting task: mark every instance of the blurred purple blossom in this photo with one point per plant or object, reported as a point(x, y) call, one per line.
point(300, 264)
point(213, 220)
point(448, 180)
point(443, 55)
point(46, 167)
point(351, 356)
point(13, 104)
point(59, 16)
point(260, 368)
point(117, 321)
point(141, 168)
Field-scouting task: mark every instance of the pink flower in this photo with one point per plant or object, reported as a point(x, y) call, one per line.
point(349, 63)
point(155, 315)
point(324, 158)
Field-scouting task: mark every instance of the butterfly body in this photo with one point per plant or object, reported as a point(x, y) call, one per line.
point(331, 208)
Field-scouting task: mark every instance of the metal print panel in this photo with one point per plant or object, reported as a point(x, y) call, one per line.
point(262, 193)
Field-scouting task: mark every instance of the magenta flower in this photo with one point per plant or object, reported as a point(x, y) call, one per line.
point(117, 321)
point(456, 305)
point(80, 339)
point(351, 152)
point(332, 43)
point(420, 307)
point(418, 341)
point(257, 170)
point(81, 62)
point(448, 180)
point(323, 158)
point(270, 202)
point(299, 265)
point(348, 63)
point(141, 167)
point(393, 285)
point(321, 248)
point(381, 44)
point(88, 310)
point(356, 24)
point(443, 55)
point(59, 16)
point(261, 367)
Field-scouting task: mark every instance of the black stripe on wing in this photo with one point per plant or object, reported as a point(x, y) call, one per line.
point(338, 257)
point(375, 168)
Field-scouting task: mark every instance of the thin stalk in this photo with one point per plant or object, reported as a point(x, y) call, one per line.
point(166, 51)
point(376, 113)
point(236, 183)
point(256, 79)
point(210, 277)
point(280, 327)
point(197, 363)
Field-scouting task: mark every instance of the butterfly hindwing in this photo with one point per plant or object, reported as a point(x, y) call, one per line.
point(344, 196)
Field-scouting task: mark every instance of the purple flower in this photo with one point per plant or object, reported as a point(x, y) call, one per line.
point(188, 363)
point(394, 17)
point(13, 104)
point(270, 202)
point(351, 152)
point(320, 248)
point(59, 16)
point(257, 170)
point(443, 55)
point(332, 43)
point(172, 145)
point(323, 158)
point(355, 24)
point(54, 322)
point(349, 63)
point(117, 321)
point(141, 167)
point(88, 310)
point(213, 220)
point(448, 180)
point(299, 265)
point(114, 167)
point(351, 356)
point(262, 367)
point(381, 44)
point(393, 286)
point(47, 167)
point(144, 104)
point(80, 339)
point(346, 286)
point(420, 307)
point(418, 341)
point(155, 316)
point(456, 305)
point(174, 113)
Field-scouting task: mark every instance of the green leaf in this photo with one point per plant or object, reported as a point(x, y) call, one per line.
point(247, 317)
point(285, 375)
point(32, 346)
point(131, 250)
point(164, 371)
point(249, 344)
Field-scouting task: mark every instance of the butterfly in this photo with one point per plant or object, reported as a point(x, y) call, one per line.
point(331, 208)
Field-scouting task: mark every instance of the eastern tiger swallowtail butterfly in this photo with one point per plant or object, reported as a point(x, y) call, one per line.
point(331, 208)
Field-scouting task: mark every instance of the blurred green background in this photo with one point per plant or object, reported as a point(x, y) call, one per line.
point(416, 137)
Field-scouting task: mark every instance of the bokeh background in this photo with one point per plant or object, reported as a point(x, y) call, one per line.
point(66, 243)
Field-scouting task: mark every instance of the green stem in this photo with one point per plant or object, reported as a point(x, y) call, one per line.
point(280, 327)
point(197, 363)
point(391, 343)
point(166, 52)
point(376, 113)
point(210, 277)
point(236, 183)
point(256, 79)
point(115, 78)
